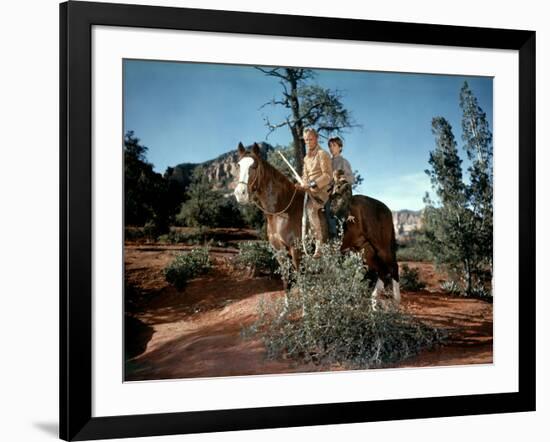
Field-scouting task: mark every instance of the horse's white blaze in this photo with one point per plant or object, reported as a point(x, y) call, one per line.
point(396, 291)
point(241, 191)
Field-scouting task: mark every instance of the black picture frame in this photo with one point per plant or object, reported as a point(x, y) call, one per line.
point(76, 21)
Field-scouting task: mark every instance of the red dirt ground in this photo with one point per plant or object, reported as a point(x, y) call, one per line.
point(196, 332)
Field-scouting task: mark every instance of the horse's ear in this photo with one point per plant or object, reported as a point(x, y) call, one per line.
point(256, 149)
point(241, 149)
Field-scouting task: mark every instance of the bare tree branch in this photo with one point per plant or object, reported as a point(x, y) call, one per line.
point(272, 72)
point(273, 127)
point(274, 102)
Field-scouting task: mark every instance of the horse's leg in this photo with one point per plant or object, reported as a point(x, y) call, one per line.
point(374, 296)
point(389, 282)
point(286, 284)
point(281, 260)
point(390, 274)
point(296, 256)
point(374, 267)
point(395, 282)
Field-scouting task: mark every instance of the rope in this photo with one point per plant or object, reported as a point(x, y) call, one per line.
point(304, 224)
point(280, 211)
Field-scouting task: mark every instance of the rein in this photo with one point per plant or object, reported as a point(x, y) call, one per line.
point(280, 212)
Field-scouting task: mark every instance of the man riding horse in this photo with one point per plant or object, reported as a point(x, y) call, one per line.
point(371, 233)
point(316, 179)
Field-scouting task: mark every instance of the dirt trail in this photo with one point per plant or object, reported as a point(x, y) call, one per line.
point(197, 333)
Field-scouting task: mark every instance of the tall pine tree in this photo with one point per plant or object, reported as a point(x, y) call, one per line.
point(459, 227)
point(478, 145)
point(449, 226)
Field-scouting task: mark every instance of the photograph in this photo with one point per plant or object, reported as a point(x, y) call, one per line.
point(275, 221)
point(283, 219)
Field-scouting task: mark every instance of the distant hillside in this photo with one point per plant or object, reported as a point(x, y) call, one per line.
point(222, 171)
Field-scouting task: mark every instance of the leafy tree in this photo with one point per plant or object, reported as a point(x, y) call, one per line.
point(206, 207)
point(358, 179)
point(229, 213)
point(275, 159)
point(202, 204)
point(478, 145)
point(450, 230)
point(307, 105)
point(252, 217)
point(144, 188)
point(459, 228)
point(175, 189)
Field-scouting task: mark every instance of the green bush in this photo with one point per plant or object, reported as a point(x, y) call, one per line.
point(133, 233)
point(189, 238)
point(257, 256)
point(482, 292)
point(186, 266)
point(409, 279)
point(451, 286)
point(252, 217)
point(479, 290)
point(207, 207)
point(152, 229)
point(328, 316)
point(414, 248)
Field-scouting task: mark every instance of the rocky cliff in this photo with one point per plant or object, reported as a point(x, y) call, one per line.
point(406, 221)
point(222, 171)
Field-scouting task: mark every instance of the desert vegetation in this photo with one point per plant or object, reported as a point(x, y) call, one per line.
point(207, 289)
point(329, 316)
point(187, 265)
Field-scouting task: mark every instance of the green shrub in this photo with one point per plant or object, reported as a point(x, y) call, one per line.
point(328, 316)
point(205, 206)
point(412, 253)
point(132, 233)
point(186, 266)
point(451, 286)
point(414, 248)
point(479, 290)
point(482, 292)
point(252, 217)
point(409, 279)
point(189, 238)
point(257, 256)
point(153, 229)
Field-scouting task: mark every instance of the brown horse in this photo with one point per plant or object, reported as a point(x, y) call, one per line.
point(372, 233)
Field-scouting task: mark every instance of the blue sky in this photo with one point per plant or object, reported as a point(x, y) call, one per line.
point(193, 112)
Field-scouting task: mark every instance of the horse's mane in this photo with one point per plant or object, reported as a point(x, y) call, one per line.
point(270, 172)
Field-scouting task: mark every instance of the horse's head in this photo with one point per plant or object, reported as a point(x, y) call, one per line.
point(249, 163)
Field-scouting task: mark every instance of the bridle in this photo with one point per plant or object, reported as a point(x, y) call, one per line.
point(253, 191)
